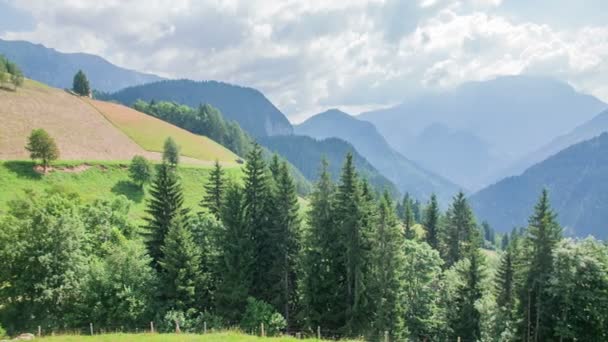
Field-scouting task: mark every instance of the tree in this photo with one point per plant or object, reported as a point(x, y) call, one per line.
point(488, 234)
point(460, 235)
point(504, 287)
point(165, 203)
point(408, 218)
point(81, 84)
point(214, 190)
point(17, 78)
point(140, 171)
point(286, 241)
point(180, 267)
point(42, 146)
point(543, 235)
point(237, 257)
point(431, 222)
point(171, 152)
point(387, 260)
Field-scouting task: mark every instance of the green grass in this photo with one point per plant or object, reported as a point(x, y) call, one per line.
point(226, 337)
point(100, 180)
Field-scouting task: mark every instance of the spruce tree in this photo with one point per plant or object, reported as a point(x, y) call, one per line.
point(408, 218)
point(387, 270)
point(460, 235)
point(431, 222)
point(286, 242)
point(214, 190)
point(504, 286)
point(81, 84)
point(165, 203)
point(355, 237)
point(180, 267)
point(322, 264)
point(259, 208)
point(543, 235)
point(237, 253)
point(465, 318)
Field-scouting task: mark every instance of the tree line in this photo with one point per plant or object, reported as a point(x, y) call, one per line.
point(249, 255)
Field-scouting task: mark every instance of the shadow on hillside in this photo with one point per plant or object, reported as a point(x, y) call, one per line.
point(130, 190)
point(23, 169)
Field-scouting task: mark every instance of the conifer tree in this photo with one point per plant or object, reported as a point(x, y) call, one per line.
point(543, 235)
point(81, 84)
point(355, 237)
point(323, 267)
point(214, 190)
point(286, 242)
point(504, 286)
point(275, 167)
point(258, 208)
point(465, 318)
point(408, 218)
point(237, 253)
point(387, 270)
point(460, 235)
point(431, 222)
point(180, 267)
point(165, 203)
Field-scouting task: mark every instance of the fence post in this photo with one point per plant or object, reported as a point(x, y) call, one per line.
point(177, 330)
point(458, 338)
point(385, 335)
point(262, 330)
point(318, 332)
point(39, 331)
point(152, 327)
point(299, 335)
point(204, 327)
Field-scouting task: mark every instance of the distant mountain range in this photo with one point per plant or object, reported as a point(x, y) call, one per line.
point(405, 174)
point(497, 121)
point(247, 106)
point(57, 69)
point(306, 154)
point(577, 180)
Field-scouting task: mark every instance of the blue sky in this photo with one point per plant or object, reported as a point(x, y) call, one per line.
point(307, 56)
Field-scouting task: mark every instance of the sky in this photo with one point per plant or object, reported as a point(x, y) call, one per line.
point(308, 56)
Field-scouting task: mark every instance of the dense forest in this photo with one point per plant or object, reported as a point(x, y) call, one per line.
point(349, 266)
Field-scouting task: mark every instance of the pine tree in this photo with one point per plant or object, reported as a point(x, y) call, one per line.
point(355, 237)
point(387, 265)
point(323, 266)
point(214, 190)
point(258, 208)
point(543, 235)
point(81, 84)
point(237, 253)
point(465, 319)
point(180, 267)
point(431, 222)
point(408, 219)
point(460, 235)
point(504, 286)
point(165, 203)
point(286, 242)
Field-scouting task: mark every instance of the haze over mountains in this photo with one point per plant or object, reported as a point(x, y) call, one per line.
point(502, 119)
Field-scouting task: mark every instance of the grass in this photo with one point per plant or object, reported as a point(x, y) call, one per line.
point(150, 133)
point(100, 180)
point(226, 337)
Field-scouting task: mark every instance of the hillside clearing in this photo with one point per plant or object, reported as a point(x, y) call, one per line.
point(150, 133)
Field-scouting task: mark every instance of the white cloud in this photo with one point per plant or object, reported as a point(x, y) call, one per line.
point(311, 55)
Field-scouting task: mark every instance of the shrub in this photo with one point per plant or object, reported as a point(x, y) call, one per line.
point(140, 171)
point(258, 312)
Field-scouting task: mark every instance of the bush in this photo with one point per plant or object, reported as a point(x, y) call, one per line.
point(2, 332)
point(258, 312)
point(140, 171)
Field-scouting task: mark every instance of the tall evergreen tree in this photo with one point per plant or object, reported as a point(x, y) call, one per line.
point(408, 218)
point(387, 270)
point(543, 235)
point(504, 288)
point(355, 237)
point(214, 190)
point(322, 264)
point(465, 318)
point(237, 253)
point(259, 208)
point(165, 203)
point(81, 84)
point(460, 235)
point(286, 240)
point(431, 222)
point(180, 267)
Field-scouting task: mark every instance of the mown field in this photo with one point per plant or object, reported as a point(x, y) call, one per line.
point(95, 180)
point(225, 337)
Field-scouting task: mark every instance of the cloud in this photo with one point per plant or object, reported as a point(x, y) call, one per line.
point(311, 55)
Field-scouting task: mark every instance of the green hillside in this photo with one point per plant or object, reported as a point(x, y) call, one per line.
point(226, 337)
point(94, 180)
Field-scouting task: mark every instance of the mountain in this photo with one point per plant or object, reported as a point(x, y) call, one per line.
point(577, 180)
point(511, 116)
point(586, 131)
point(306, 154)
point(247, 106)
point(57, 69)
point(405, 174)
